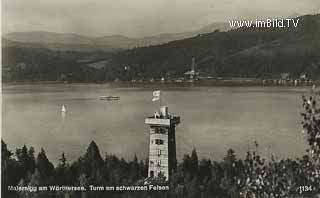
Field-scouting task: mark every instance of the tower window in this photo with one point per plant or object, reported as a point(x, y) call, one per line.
point(162, 130)
point(158, 152)
point(159, 162)
point(158, 130)
point(159, 141)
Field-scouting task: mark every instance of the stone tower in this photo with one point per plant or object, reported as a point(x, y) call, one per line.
point(162, 145)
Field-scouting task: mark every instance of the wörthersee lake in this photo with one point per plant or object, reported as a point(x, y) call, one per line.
point(213, 119)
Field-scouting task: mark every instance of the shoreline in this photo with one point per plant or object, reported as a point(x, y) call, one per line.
point(217, 81)
point(213, 83)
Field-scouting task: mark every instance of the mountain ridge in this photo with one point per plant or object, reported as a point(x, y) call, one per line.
point(104, 42)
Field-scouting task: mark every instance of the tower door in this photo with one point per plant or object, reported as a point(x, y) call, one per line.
point(151, 173)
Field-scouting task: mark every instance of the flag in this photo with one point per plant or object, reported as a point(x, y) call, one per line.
point(156, 95)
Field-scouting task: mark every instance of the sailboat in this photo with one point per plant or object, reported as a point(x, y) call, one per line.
point(63, 109)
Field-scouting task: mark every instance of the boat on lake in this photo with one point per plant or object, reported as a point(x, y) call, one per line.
point(109, 98)
point(63, 109)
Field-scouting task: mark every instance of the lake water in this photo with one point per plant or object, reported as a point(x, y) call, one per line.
point(213, 119)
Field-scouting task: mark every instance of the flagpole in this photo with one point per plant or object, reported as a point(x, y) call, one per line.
point(157, 96)
point(160, 94)
point(160, 98)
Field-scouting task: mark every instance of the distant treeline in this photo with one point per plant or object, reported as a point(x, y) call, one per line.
point(244, 52)
point(41, 64)
point(250, 177)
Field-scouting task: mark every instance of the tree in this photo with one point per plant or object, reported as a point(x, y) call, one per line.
point(254, 176)
point(5, 153)
point(45, 167)
point(205, 167)
point(10, 172)
point(187, 168)
point(31, 160)
point(194, 188)
point(63, 161)
point(91, 164)
point(311, 127)
point(194, 161)
point(134, 169)
point(231, 177)
point(62, 172)
point(22, 158)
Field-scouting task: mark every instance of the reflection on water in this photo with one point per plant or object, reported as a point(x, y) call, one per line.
point(213, 119)
point(63, 115)
point(63, 111)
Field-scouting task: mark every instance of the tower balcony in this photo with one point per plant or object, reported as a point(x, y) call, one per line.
point(163, 120)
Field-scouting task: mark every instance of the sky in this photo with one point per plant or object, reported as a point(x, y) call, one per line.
point(138, 18)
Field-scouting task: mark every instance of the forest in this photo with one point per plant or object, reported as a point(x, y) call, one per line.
point(232, 177)
point(242, 52)
point(33, 64)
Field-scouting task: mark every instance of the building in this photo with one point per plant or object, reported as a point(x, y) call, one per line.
point(303, 76)
point(192, 74)
point(162, 145)
point(285, 76)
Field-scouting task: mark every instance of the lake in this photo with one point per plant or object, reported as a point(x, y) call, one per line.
point(213, 119)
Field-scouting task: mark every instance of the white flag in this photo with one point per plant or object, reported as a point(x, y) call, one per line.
point(156, 95)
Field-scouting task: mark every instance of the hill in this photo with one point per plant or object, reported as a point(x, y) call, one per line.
point(76, 42)
point(244, 52)
point(57, 41)
point(35, 62)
